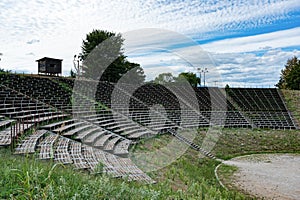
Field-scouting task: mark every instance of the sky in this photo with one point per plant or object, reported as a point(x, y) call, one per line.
point(247, 42)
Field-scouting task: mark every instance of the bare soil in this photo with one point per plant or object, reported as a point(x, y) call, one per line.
point(268, 176)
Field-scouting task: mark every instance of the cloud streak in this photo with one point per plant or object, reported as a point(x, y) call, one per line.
point(278, 39)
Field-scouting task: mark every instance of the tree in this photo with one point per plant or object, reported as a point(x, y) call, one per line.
point(227, 87)
point(118, 67)
point(72, 74)
point(164, 78)
point(190, 77)
point(290, 75)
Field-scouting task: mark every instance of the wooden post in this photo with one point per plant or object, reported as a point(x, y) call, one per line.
point(11, 139)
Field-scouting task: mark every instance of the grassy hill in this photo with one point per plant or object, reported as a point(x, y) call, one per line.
point(292, 99)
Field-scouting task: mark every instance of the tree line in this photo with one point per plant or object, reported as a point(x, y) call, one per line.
point(290, 75)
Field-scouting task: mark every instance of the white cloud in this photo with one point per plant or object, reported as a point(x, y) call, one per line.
point(278, 39)
point(249, 69)
point(246, 61)
point(60, 26)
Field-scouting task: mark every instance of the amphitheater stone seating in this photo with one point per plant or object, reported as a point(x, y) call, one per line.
point(61, 153)
point(46, 146)
point(103, 127)
point(29, 144)
point(14, 130)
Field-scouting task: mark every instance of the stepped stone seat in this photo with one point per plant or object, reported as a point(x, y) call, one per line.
point(9, 109)
point(100, 141)
point(121, 148)
point(65, 128)
point(82, 135)
point(110, 144)
point(129, 129)
point(61, 153)
point(57, 124)
point(47, 146)
point(121, 127)
point(90, 158)
point(93, 137)
point(139, 135)
point(5, 123)
point(77, 157)
point(28, 145)
point(48, 118)
point(77, 130)
point(5, 135)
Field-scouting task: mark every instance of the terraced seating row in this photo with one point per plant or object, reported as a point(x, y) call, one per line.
point(49, 145)
point(142, 99)
point(208, 98)
point(153, 94)
point(46, 146)
point(4, 123)
point(42, 89)
point(252, 99)
point(91, 134)
point(264, 107)
point(13, 130)
point(17, 106)
point(28, 145)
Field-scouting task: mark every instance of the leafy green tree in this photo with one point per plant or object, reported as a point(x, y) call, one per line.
point(118, 67)
point(72, 74)
point(290, 75)
point(190, 77)
point(164, 78)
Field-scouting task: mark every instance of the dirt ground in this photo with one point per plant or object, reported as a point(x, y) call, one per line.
point(268, 176)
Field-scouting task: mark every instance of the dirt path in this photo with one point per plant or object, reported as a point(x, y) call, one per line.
point(268, 176)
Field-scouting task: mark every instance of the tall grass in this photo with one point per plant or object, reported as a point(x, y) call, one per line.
point(25, 177)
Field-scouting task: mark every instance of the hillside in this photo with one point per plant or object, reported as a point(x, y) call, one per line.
point(292, 99)
point(67, 126)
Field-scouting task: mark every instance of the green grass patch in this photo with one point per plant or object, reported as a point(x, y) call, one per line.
point(226, 173)
point(292, 99)
point(236, 142)
point(25, 177)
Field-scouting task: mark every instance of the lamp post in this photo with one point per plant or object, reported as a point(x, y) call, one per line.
point(199, 70)
point(215, 83)
point(204, 71)
point(76, 64)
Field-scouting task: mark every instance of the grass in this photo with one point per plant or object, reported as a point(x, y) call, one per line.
point(225, 173)
point(236, 142)
point(24, 177)
point(189, 177)
point(292, 99)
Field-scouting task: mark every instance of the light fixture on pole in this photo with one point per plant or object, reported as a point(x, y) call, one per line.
point(199, 70)
point(76, 64)
point(204, 71)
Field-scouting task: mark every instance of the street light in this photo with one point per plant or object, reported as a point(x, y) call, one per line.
point(204, 71)
point(215, 83)
point(76, 64)
point(199, 70)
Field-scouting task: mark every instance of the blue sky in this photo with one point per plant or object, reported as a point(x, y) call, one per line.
point(248, 41)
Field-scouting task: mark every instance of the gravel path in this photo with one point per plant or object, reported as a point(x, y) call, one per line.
point(268, 176)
